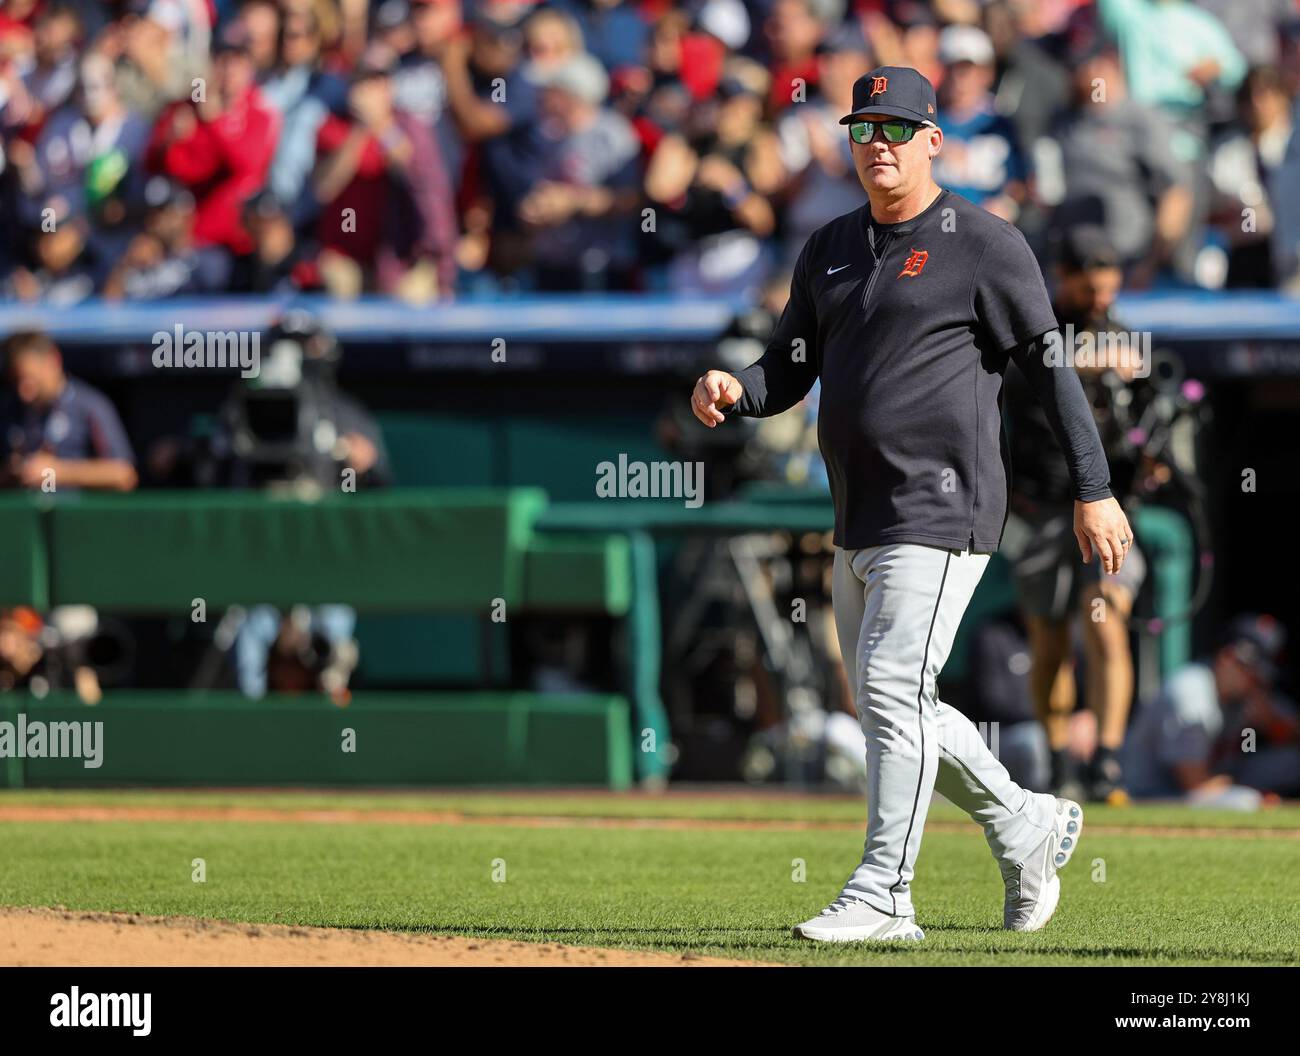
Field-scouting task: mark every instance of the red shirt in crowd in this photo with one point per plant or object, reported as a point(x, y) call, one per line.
point(223, 162)
point(397, 218)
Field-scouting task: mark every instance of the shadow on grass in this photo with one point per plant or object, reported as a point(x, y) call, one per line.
point(730, 942)
point(756, 942)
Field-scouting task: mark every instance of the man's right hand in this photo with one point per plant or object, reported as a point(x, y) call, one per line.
point(715, 390)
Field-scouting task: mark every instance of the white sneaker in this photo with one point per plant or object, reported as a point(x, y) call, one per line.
point(849, 919)
point(1032, 886)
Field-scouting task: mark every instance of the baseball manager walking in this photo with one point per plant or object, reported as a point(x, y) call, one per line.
point(908, 310)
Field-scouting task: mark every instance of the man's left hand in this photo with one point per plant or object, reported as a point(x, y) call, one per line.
point(1101, 528)
point(32, 469)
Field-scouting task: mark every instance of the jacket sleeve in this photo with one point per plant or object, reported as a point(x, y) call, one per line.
point(785, 372)
point(246, 148)
point(1057, 387)
point(190, 161)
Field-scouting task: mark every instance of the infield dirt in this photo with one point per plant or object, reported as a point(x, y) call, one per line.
point(31, 937)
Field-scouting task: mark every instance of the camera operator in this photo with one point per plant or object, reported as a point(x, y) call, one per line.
point(292, 428)
point(1051, 584)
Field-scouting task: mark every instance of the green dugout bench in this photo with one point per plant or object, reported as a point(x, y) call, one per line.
point(449, 551)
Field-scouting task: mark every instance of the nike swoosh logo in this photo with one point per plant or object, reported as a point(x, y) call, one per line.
point(832, 271)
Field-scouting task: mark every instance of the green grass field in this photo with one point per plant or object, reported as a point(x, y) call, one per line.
point(1150, 885)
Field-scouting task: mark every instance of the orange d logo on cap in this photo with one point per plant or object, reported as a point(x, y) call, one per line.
point(904, 92)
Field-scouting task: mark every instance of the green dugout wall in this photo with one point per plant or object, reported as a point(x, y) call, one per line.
point(223, 738)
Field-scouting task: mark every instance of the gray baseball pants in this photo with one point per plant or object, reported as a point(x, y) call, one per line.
point(897, 609)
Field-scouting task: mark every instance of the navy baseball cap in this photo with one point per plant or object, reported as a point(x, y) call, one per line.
point(1087, 246)
point(898, 91)
point(1258, 642)
point(233, 37)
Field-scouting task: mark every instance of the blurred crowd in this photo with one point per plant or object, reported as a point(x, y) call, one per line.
point(434, 148)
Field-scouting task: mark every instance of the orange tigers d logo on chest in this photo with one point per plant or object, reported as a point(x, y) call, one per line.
point(914, 263)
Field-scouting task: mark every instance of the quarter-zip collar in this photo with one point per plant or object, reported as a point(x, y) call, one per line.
point(873, 228)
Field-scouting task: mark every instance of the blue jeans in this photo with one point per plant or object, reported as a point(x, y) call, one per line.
point(253, 641)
